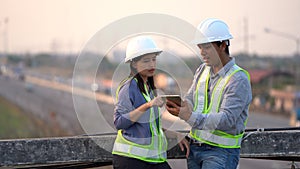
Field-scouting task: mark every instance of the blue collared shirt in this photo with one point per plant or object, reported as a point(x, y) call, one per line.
point(130, 98)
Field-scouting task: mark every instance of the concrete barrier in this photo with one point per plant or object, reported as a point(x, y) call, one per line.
point(83, 151)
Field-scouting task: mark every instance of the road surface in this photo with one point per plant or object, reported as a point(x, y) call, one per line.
point(43, 100)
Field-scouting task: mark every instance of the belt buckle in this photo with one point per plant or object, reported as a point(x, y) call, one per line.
point(194, 142)
point(197, 143)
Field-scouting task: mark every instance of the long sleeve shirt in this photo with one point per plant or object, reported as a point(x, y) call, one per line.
point(130, 98)
point(235, 100)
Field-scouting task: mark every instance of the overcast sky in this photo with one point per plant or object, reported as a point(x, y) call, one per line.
point(66, 25)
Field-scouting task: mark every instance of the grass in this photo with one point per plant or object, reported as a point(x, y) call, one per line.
point(15, 123)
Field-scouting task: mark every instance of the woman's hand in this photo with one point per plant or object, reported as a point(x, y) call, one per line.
point(157, 101)
point(136, 114)
point(184, 143)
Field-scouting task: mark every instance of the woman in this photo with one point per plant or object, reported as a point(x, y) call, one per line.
point(140, 142)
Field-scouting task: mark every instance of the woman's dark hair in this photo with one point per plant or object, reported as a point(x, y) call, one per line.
point(219, 43)
point(140, 81)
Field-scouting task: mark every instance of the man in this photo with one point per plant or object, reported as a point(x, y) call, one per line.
point(216, 105)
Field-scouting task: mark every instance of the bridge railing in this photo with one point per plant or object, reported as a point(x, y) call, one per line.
point(90, 151)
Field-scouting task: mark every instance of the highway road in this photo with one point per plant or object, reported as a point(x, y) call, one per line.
point(55, 105)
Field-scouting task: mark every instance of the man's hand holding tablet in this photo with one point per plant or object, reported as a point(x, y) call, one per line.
point(173, 98)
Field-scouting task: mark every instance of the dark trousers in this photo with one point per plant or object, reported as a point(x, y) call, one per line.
point(122, 162)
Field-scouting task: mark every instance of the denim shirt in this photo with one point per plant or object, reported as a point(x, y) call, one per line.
point(235, 101)
point(130, 97)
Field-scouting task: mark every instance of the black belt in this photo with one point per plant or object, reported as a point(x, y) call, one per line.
point(195, 142)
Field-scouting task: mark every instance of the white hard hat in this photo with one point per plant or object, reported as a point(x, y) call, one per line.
point(211, 30)
point(139, 46)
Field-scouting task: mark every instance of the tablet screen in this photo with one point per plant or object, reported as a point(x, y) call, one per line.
point(174, 98)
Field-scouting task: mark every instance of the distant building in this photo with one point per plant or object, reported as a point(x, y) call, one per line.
point(269, 90)
point(284, 100)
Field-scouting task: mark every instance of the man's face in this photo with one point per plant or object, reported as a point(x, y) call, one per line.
point(210, 53)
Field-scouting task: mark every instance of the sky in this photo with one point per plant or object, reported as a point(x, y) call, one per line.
point(65, 26)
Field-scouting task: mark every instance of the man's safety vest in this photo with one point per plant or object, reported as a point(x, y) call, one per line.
point(154, 152)
point(214, 137)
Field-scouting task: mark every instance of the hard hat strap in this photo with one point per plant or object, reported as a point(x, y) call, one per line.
point(220, 42)
point(227, 42)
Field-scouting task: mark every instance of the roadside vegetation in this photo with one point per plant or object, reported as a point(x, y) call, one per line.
point(15, 123)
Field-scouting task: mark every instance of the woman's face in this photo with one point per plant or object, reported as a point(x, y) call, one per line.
point(146, 65)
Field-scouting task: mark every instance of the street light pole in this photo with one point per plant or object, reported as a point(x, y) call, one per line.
point(4, 40)
point(287, 36)
point(5, 36)
point(298, 43)
point(246, 36)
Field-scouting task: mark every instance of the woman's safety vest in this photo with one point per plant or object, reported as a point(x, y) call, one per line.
point(154, 152)
point(214, 137)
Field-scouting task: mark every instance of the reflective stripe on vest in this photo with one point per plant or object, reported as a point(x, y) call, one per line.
point(216, 137)
point(155, 151)
point(201, 95)
point(149, 153)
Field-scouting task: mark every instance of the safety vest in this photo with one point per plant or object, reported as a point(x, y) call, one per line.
point(214, 137)
point(154, 152)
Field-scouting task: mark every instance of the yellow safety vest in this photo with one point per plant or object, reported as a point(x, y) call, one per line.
point(216, 137)
point(154, 152)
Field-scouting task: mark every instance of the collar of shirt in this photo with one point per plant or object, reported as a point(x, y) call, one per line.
point(224, 70)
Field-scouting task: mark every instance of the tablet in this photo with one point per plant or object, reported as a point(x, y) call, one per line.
point(174, 98)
